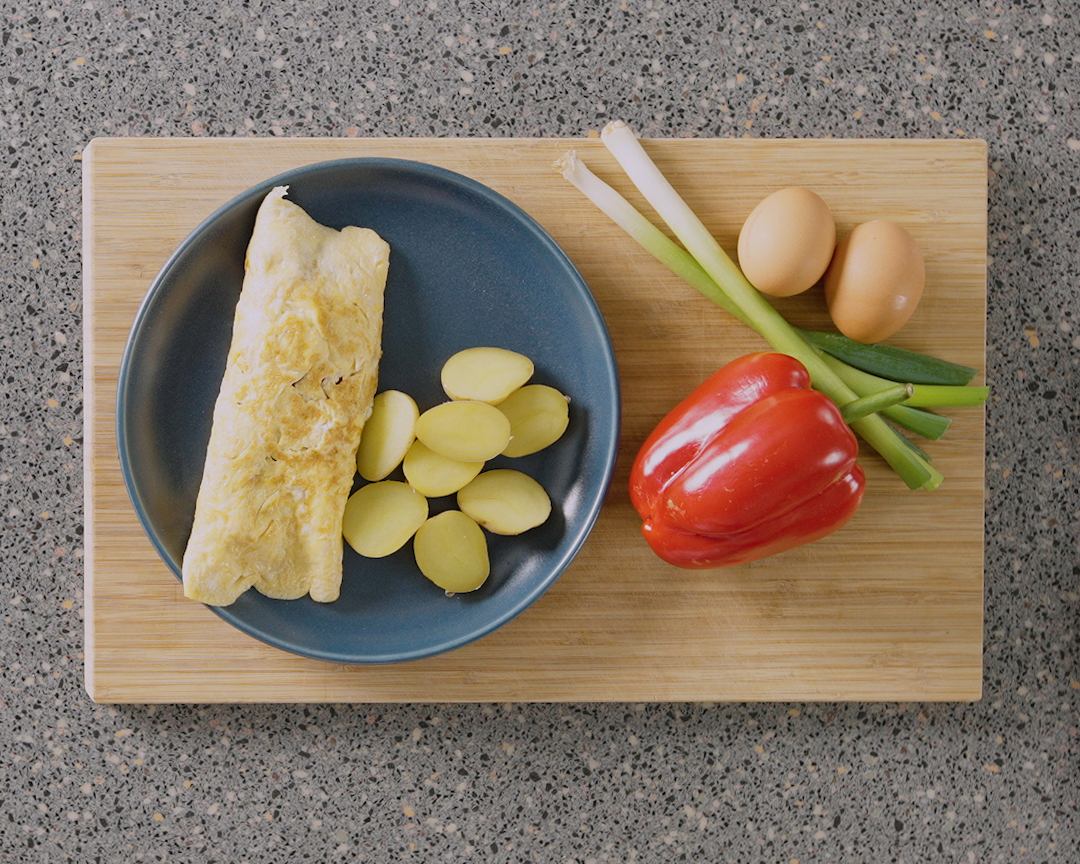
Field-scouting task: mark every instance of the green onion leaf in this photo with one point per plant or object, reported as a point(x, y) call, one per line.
point(924, 395)
point(896, 364)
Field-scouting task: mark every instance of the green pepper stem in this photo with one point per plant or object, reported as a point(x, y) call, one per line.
point(866, 405)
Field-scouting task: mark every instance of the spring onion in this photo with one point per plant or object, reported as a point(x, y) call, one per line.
point(916, 472)
point(680, 262)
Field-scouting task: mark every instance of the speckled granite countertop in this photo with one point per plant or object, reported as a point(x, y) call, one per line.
point(996, 781)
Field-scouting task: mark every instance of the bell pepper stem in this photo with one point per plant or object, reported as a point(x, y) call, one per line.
point(875, 402)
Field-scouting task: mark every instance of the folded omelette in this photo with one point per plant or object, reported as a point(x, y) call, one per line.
point(297, 390)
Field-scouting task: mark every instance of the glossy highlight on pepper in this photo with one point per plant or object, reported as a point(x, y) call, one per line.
point(753, 462)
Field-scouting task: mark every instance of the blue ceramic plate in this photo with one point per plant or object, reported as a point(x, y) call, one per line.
point(467, 267)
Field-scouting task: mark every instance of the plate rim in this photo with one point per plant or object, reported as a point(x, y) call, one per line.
point(609, 451)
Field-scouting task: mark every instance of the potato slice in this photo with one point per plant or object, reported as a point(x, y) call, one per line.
point(381, 517)
point(505, 502)
point(466, 431)
point(433, 475)
point(538, 416)
point(389, 431)
point(485, 374)
point(451, 551)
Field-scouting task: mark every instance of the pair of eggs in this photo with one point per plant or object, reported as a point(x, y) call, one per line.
point(873, 279)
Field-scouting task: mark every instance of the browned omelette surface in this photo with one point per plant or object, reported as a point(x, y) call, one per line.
point(298, 387)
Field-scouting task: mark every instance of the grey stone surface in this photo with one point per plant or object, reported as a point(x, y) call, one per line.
point(991, 782)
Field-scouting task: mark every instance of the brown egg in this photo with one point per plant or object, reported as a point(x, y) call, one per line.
point(786, 242)
point(875, 281)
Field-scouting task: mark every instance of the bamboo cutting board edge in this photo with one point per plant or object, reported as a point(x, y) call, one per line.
point(470, 681)
point(89, 400)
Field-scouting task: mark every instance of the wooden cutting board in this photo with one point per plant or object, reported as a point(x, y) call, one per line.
point(890, 608)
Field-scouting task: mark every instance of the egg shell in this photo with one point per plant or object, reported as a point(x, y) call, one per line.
point(786, 242)
point(875, 281)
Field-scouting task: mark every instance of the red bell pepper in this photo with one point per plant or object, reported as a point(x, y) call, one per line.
point(751, 463)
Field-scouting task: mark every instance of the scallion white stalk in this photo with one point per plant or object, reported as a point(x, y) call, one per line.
point(652, 239)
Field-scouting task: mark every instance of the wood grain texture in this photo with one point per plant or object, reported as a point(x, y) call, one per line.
point(888, 609)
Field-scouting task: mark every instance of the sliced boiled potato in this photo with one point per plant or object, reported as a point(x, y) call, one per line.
point(538, 416)
point(451, 551)
point(434, 475)
point(466, 431)
point(485, 374)
point(505, 501)
point(389, 431)
point(381, 517)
